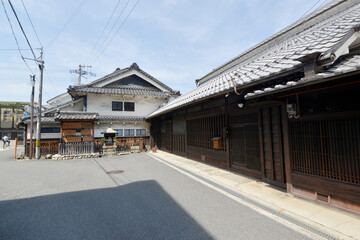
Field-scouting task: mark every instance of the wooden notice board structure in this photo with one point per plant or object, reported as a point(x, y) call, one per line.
point(77, 127)
point(77, 131)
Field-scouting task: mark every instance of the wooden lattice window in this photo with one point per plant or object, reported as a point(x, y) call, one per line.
point(326, 148)
point(201, 131)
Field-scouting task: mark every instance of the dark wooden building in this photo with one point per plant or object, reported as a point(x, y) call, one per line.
point(287, 111)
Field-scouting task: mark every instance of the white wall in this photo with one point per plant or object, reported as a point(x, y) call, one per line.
point(101, 127)
point(44, 135)
point(60, 100)
point(77, 106)
point(144, 105)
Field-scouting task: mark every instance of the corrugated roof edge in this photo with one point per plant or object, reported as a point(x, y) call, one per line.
point(282, 33)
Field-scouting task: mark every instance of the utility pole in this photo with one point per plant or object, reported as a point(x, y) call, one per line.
point(32, 79)
point(38, 126)
point(81, 72)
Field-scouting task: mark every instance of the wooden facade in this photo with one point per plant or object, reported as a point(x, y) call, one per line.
point(76, 131)
point(314, 154)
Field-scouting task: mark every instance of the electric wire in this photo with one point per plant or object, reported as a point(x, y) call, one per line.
point(67, 22)
point(51, 81)
point(102, 32)
point(22, 29)
point(107, 35)
point(15, 49)
point(310, 9)
point(122, 24)
point(32, 25)
point(17, 43)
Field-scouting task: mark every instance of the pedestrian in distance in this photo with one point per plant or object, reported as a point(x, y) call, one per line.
point(6, 142)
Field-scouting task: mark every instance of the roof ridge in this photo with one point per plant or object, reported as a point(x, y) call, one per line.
point(121, 71)
point(262, 46)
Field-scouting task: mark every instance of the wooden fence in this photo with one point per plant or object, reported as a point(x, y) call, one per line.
point(76, 148)
point(46, 147)
point(125, 143)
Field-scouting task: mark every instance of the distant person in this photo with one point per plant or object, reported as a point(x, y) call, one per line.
point(6, 140)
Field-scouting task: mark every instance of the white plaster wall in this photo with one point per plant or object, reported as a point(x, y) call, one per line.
point(78, 106)
point(101, 127)
point(44, 135)
point(60, 100)
point(144, 105)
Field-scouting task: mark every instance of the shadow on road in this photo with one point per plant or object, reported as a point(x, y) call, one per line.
point(141, 210)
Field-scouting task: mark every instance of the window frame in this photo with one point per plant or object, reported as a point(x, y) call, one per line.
point(52, 130)
point(140, 130)
point(129, 131)
point(126, 104)
point(116, 104)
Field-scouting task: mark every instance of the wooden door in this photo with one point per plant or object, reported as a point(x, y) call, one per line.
point(168, 135)
point(274, 171)
point(245, 144)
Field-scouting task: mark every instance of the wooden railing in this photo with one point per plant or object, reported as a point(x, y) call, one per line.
point(76, 148)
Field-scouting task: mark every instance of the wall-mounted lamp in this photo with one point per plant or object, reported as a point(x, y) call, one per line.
point(240, 105)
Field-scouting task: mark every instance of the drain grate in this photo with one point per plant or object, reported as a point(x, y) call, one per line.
point(114, 171)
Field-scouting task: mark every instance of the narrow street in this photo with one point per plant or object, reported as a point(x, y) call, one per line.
point(123, 197)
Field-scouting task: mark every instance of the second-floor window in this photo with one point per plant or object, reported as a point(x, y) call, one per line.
point(123, 106)
point(129, 106)
point(117, 106)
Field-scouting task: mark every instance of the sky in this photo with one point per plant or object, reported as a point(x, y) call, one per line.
point(175, 41)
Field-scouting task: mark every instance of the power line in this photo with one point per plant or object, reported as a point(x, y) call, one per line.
point(310, 9)
point(27, 40)
point(17, 43)
point(31, 22)
point(117, 31)
point(51, 81)
point(67, 22)
point(101, 34)
point(15, 49)
point(112, 27)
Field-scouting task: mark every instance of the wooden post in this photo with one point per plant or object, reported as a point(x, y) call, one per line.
point(261, 139)
point(286, 149)
point(141, 145)
point(15, 147)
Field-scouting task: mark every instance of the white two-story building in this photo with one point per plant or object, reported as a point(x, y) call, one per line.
point(120, 100)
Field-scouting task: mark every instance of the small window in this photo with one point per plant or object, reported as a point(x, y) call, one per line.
point(78, 132)
point(129, 106)
point(120, 132)
point(129, 133)
point(50, 130)
point(140, 132)
point(117, 106)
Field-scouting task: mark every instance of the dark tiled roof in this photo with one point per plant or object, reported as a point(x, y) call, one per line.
point(322, 37)
point(43, 120)
point(346, 65)
point(265, 43)
point(126, 90)
point(77, 115)
point(120, 119)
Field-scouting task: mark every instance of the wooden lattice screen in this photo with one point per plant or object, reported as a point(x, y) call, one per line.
point(327, 148)
point(201, 131)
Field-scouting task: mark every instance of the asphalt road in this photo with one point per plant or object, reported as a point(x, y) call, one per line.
point(78, 199)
